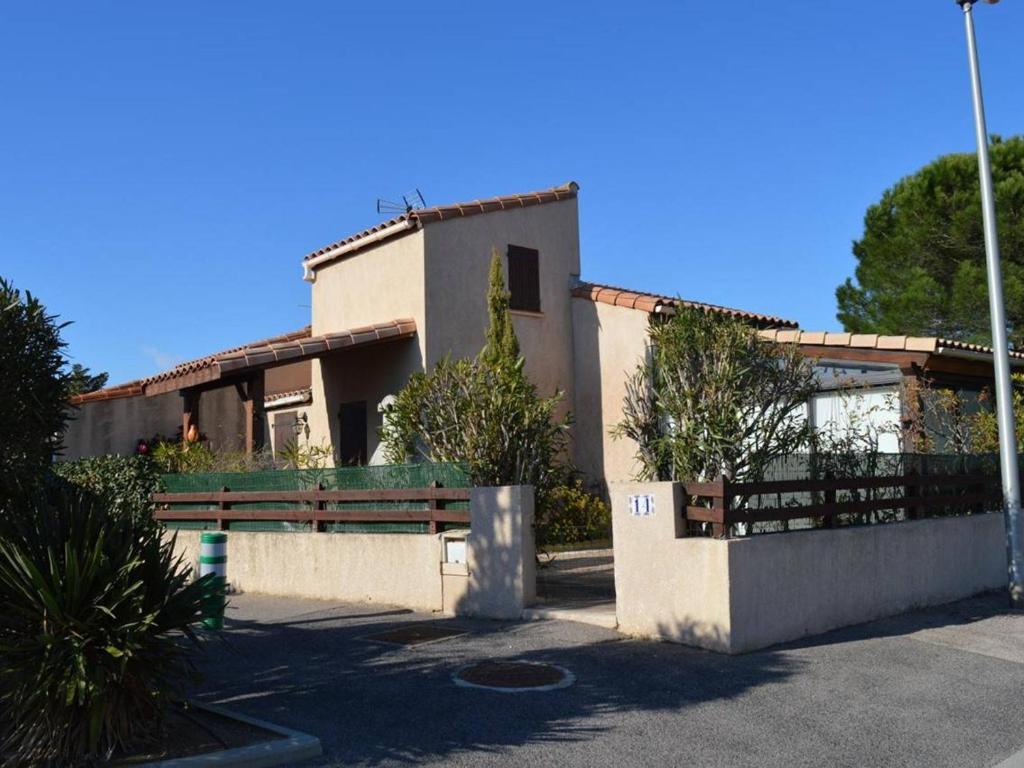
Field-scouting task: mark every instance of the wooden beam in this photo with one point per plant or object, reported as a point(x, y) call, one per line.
point(902, 358)
point(184, 381)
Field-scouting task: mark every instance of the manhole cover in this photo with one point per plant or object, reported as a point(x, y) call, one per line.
point(414, 634)
point(513, 676)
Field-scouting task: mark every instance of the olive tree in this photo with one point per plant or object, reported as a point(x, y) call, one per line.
point(713, 398)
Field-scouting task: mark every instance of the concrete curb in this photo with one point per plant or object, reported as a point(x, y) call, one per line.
point(294, 747)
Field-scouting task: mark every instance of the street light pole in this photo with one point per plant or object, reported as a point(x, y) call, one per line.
point(1000, 355)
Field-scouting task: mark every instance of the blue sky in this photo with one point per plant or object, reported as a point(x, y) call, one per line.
point(166, 166)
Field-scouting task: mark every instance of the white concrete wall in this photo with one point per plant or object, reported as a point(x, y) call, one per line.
point(392, 568)
point(739, 595)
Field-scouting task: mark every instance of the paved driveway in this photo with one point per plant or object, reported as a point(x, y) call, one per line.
point(937, 688)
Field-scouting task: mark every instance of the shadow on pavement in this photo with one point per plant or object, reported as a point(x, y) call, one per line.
point(369, 703)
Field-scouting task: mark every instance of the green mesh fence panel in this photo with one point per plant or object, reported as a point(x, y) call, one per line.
point(387, 476)
point(377, 528)
point(271, 526)
point(191, 525)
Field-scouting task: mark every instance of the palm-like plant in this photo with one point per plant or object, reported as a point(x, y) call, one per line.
point(96, 631)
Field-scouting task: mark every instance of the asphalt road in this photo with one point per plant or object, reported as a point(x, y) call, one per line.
point(937, 688)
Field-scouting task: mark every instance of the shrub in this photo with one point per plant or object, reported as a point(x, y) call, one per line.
point(297, 455)
point(572, 515)
point(177, 457)
point(714, 398)
point(33, 388)
point(96, 628)
point(180, 456)
point(124, 483)
point(488, 417)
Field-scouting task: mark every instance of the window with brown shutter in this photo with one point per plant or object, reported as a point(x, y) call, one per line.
point(524, 278)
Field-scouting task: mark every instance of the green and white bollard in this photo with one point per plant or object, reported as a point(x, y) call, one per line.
point(213, 558)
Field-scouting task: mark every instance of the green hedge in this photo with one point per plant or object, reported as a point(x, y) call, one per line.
point(124, 483)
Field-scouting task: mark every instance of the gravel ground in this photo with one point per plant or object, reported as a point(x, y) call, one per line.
point(936, 688)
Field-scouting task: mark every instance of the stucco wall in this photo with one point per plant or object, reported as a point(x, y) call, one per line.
point(497, 580)
point(501, 555)
point(458, 257)
point(787, 586)
point(397, 569)
point(438, 276)
point(115, 426)
point(667, 587)
point(367, 374)
point(382, 283)
point(609, 343)
point(739, 595)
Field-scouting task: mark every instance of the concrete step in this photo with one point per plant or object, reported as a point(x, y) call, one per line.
point(599, 615)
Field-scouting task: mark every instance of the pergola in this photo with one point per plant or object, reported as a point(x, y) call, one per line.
point(245, 369)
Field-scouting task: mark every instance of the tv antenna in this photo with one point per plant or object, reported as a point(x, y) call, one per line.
point(411, 201)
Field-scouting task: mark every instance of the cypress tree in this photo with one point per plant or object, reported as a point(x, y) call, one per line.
point(502, 347)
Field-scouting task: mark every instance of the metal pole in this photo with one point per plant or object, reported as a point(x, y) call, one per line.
point(1000, 355)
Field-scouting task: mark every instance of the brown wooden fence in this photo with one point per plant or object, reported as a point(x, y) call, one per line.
point(723, 504)
point(315, 511)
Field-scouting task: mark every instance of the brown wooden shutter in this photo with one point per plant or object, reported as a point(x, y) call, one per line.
point(524, 278)
point(284, 429)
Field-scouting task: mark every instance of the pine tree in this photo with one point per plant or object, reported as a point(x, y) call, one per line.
point(502, 347)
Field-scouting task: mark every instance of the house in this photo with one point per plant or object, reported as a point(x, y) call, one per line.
point(399, 297)
point(879, 379)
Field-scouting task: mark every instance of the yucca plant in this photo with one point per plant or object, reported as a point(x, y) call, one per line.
point(96, 629)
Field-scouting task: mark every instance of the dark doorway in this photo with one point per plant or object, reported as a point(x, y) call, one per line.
point(352, 432)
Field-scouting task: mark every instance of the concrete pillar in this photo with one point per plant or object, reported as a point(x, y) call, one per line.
point(500, 552)
point(667, 585)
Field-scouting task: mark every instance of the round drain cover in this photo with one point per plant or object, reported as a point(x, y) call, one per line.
point(513, 676)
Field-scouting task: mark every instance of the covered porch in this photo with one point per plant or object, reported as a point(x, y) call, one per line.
point(245, 370)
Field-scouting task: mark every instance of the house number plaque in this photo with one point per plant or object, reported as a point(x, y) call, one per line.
point(641, 506)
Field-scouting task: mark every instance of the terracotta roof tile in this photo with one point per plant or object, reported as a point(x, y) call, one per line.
point(929, 344)
point(650, 302)
point(291, 349)
point(920, 344)
point(834, 339)
point(200, 363)
point(306, 395)
point(458, 210)
point(297, 345)
point(129, 389)
point(890, 342)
